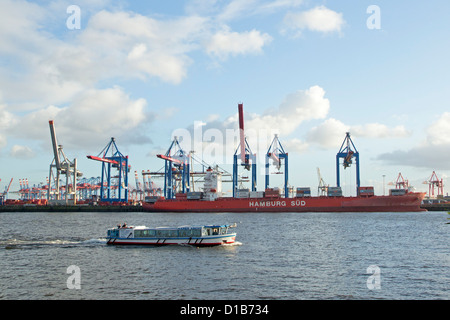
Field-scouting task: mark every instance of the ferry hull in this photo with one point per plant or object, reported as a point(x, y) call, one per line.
point(409, 202)
point(193, 241)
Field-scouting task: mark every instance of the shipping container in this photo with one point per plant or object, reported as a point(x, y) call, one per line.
point(303, 192)
point(151, 199)
point(256, 194)
point(334, 192)
point(242, 194)
point(366, 191)
point(194, 195)
point(397, 192)
point(272, 193)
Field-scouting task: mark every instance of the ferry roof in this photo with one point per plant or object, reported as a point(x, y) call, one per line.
point(181, 227)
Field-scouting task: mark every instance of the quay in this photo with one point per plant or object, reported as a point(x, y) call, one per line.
point(70, 208)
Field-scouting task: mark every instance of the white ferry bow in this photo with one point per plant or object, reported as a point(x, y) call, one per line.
point(208, 235)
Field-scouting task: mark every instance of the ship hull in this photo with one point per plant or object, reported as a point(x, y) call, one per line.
point(163, 241)
point(409, 202)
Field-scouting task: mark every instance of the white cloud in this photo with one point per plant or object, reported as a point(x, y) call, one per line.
point(295, 145)
point(3, 141)
point(110, 45)
point(22, 152)
point(378, 130)
point(26, 46)
point(280, 4)
point(221, 138)
point(243, 8)
point(236, 8)
point(433, 153)
point(296, 108)
point(225, 43)
point(7, 120)
point(135, 45)
point(320, 19)
point(90, 121)
point(331, 132)
point(438, 133)
point(44, 69)
point(18, 21)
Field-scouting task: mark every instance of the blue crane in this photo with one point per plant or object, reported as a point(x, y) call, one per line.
point(113, 188)
point(248, 159)
point(348, 152)
point(176, 168)
point(277, 154)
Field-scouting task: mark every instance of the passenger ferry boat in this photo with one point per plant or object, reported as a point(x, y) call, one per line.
point(201, 236)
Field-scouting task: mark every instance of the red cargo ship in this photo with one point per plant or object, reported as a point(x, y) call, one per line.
point(211, 200)
point(408, 202)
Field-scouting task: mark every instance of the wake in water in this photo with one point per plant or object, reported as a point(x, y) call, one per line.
point(236, 243)
point(32, 243)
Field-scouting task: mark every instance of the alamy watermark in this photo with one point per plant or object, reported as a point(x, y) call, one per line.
point(73, 22)
point(374, 20)
point(214, 145)
point(74, 280)
point(374, 280)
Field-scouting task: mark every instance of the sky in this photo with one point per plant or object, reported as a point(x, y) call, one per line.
point(307, 70)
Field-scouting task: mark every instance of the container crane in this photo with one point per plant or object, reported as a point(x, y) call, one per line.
point(348, 152)
point(61, 165)
point(4, 195)
point(401, 183)
point(322, 189)
point(435, 182)
point(176, 168)
point(150, 188)
point(278, 155)
point(113, 188)
point(139, 188)
point(247, 158)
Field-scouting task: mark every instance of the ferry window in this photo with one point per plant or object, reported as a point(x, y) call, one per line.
point(185, 232)
point(173, 233)
point(137, 233)
point(160, 233)
point(167, 233)
point(197, 232)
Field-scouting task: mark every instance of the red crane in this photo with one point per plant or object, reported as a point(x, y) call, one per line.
point(401, 182)
point(434, 182)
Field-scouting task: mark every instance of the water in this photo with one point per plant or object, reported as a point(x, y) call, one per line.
point(279, 256)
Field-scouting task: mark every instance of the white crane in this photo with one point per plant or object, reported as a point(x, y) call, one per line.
point(323, 188)
point(62, 165)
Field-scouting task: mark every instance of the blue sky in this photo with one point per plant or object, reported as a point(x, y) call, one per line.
point(142, 71)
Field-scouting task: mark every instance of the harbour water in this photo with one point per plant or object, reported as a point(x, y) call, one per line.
point(289, 256)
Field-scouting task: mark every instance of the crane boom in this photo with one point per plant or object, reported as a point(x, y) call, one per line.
point(55, 145)
point(241, 131)
point(9, 185)
point(102, 159)
point(161, 156)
